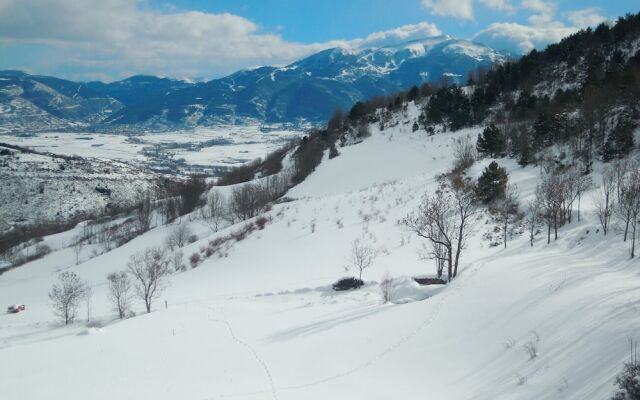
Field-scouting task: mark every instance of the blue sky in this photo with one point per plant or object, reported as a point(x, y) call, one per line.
point(112, 39)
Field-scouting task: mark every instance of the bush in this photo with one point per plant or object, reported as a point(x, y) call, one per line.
point(240, 174)
point(628, 382)
point(464, 153)
point(179, 237)
point(261, 221)
point(347, 284)
point(194, 260)
point(41, 250)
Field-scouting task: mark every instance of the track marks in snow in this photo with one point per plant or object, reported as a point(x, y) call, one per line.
point(254, 353)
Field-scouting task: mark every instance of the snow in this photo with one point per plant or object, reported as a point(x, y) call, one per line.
point(243, 143)
point(261, 321)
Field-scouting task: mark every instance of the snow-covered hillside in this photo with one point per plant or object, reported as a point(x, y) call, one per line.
point(38, 187)
point(260, 321)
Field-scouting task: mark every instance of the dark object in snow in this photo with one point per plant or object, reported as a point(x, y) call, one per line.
point(430, 281)
point(347, 284)
point(15, 308)
point(105, 191)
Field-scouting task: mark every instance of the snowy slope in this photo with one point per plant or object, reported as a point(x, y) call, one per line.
point(39, 187)
point(261, 322)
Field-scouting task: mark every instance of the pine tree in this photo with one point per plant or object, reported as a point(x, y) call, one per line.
point(492, 183)
point(491, 141)
point(414, 94)
point(619, 143)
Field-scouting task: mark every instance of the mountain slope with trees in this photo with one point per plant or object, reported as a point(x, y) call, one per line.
point(309, 89)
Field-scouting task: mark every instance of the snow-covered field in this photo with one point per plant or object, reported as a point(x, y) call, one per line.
point(228, 145)
point(261, 322)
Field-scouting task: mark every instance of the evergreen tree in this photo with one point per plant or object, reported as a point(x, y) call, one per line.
point(491, 141)
point(492, 183)
point(619, 142)
point(525, 153)
point(414, 94)
point(543, 127)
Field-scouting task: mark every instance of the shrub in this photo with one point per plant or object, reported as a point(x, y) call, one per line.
point(347, 284)
point(628, 382)
point(179, 236)
point(194, 260)
point(464, 153)
point(240, 174)
point(40, 251)
point(261, 221)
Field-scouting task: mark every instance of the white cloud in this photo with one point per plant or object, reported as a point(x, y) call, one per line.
point(544, 11)
point(500, 5)
point(401, 34)
point(585, 18)
point(461, 9)
point(542, 30)
point(517, 38)
point(540, 6)
point(121, 37)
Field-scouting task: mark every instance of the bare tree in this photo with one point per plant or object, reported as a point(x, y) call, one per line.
point(533, 217)
point(444, 220)
point(630, 206)
point(88, 295)
point(149, 269)
point(77, 248)
point(433, 220)
point(190, 193)
point(169, 208)
point(584, 183)
point(465, 207)
point(385, 287)
point(604, 199)
point(67, 295)
point(573, 183)
point(507, 210)
point(179, 236)
point(550, 194)
point(628, 194)
point(247, 201)
point(144, 212)
point(176, 260)
point(464, 152)
point(120, 292)
point(361, 256)
point(213, 211)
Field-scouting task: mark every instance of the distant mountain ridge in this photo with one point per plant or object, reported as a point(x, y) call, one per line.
point(308, 89)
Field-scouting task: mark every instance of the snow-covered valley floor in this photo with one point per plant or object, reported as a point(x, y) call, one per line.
point(261, 322)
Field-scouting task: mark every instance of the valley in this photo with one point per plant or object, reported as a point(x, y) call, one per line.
point(357, 212)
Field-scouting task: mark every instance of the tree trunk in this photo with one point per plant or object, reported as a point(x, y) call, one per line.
point(549, 232)
point(449, 266)
point(505, 233)
point(579, 196)
point(633, 239)
point(626, 229)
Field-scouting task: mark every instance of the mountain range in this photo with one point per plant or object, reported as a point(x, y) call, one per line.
point(309, 89)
